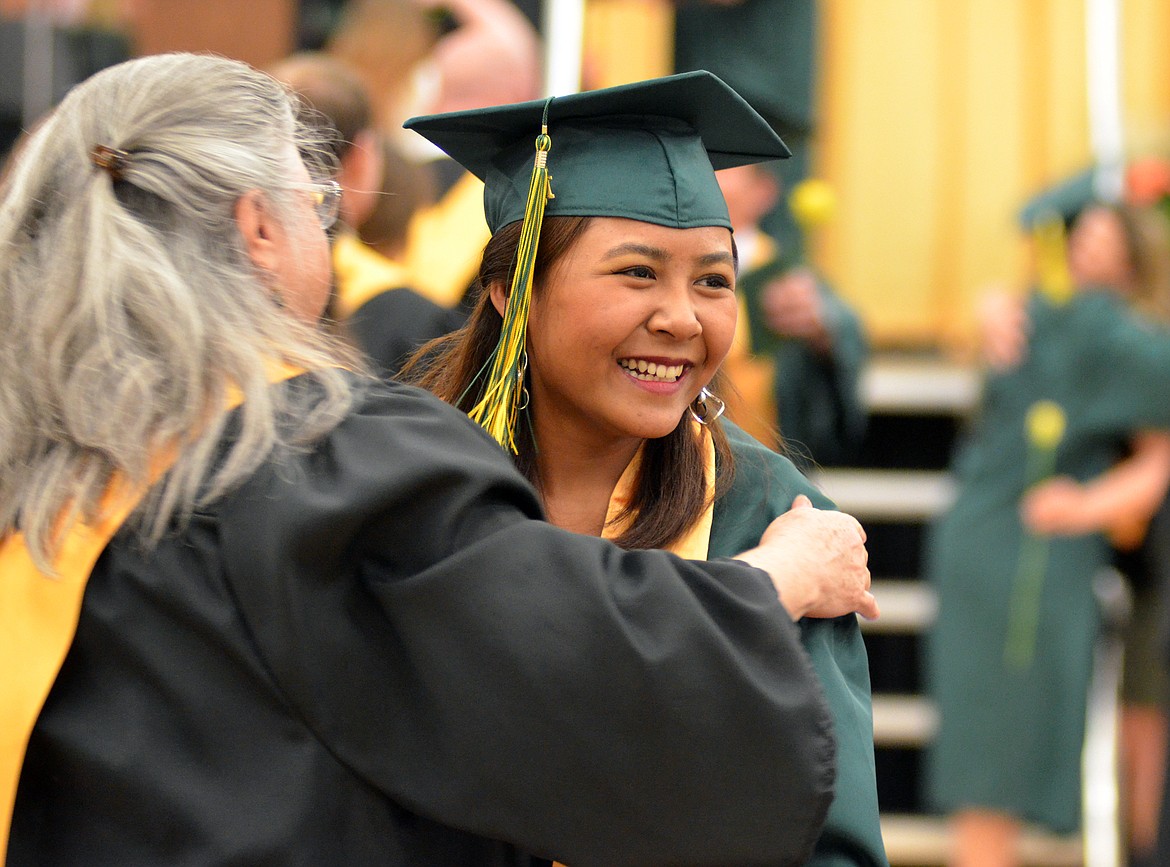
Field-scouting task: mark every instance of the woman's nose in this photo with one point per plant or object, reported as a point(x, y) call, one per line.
point(675, 314)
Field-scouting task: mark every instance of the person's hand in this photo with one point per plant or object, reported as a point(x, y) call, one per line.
point(792, 307)
point(1057, 507)
point(1003, 329)
point(492, 58)
point(817, 560)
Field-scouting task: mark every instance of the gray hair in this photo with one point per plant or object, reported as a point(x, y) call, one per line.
point(129, 308)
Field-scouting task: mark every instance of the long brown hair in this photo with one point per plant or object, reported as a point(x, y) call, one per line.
point(670, 492)
point(1147, 242)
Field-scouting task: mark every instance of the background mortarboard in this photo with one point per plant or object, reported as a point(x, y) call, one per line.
point(1065, 200)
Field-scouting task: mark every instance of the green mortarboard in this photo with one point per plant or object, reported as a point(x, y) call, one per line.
point(1064, 200)
point(644, 151)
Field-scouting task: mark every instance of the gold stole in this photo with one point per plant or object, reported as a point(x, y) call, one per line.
point(362, 273)
point(693, 545)
point(39, 613)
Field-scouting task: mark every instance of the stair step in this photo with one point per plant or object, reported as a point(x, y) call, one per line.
point(903, 720)
point(924, 841)
point(887, 495)
point(909, 386)
point(907, 606)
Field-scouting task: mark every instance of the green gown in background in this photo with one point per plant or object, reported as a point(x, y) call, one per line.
point(1011, 734)
point(820, 413)
point(764, 488)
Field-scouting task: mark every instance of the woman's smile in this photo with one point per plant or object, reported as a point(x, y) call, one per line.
point(650, 370)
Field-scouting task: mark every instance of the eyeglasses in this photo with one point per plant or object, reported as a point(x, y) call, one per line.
point(326, 199)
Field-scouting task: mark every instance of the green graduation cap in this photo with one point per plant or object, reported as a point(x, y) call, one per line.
point(645, 151)
point(1065, 200)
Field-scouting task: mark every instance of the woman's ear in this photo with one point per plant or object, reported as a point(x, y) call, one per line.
point(499, 296)
point(259, 231)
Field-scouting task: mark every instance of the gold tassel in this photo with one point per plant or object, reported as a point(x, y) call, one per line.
point(500, 403)
point(1052, 259)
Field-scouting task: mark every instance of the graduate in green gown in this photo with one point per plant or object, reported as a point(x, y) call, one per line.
point(810, 342)
point(259, 607)
point(1009, 660)
point(607, 304)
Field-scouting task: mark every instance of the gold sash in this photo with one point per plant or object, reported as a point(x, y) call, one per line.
point(39, 613)
point(692, 546)
point(362, 273)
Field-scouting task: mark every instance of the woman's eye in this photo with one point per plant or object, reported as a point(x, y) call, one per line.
point(639, 271)
point(715, 281)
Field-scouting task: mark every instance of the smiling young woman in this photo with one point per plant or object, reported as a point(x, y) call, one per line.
point(606, 305)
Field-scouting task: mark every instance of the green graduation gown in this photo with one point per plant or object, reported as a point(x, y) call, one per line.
point(764, 487)
point(371, 654)
point(1011, 736)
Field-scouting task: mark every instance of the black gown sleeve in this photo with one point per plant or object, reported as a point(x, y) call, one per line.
point(504, 677)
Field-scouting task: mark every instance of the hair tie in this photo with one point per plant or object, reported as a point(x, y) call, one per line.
point(112, 160)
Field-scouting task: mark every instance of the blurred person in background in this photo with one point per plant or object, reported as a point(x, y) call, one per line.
point(374, 299)
point(419, 56)
point(1127, 502)
point(766, 50)
point(1074, 375)
point(800, 349)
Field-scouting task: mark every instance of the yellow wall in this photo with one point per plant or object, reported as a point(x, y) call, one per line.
point(627, 40)
point(938, 118)
point(1147, 84)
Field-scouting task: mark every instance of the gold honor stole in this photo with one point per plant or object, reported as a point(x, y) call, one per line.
point(39, 614)
point(693, 545)
point(362, 273)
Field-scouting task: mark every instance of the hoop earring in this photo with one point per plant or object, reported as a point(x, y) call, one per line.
point(707, 407)
point(521, 371)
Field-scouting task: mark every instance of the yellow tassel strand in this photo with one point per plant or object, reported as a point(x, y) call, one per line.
point(500, 404)
point(1052, 259)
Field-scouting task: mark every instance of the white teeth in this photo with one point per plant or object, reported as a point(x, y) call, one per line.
point(650, 371)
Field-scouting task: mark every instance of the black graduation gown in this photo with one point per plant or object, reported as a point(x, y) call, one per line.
point(393, 324)
point(370, 654)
